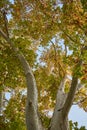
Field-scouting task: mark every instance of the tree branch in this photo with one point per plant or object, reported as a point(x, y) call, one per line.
point(81, 101)
point(62, 84)
point(32, 118)
point(3, 11)
point(56, 57)
point(54, 49)
point(60, 100)
point(71, 93)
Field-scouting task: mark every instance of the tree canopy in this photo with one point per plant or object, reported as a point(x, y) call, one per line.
point(52, 36)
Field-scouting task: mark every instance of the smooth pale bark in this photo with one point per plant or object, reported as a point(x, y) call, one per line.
point(63, 102)
point(57, 122)
point(72, 91)
point(32, 119)
point(70, 97)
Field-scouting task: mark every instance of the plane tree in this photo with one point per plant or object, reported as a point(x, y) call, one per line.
point(43, 48)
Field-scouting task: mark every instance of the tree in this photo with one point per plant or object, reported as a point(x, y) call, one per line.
point(35, 24)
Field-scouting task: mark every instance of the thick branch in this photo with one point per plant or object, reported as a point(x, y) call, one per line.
point(71, 94)
point(62, 84)
point(19, 55)
point(70, 97)
point(32, 118)
point(60, 100)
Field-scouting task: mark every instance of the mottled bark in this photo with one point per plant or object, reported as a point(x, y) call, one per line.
point(72, 91)
point(32, 119)
point(70, 97)
point(58, 122)
point(63, 101)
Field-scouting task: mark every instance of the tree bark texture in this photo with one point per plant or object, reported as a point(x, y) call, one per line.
point(32, 119)
point(58, 122)
point(64, 101)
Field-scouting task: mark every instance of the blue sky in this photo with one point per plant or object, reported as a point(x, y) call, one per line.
point(78, 115)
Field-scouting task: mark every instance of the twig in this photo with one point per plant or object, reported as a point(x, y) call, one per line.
point(3, 11)
point(81, 101)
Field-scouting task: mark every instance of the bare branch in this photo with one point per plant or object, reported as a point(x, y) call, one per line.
point(4, 13)
point(56, 57)
point(81, 101)
point(54, 49)
point(79, 92)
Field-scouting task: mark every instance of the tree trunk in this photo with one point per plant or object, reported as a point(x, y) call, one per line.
point(59, 120)
point(59, 123)
point(32, 119)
